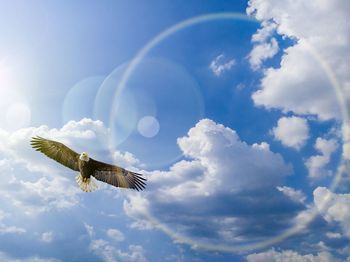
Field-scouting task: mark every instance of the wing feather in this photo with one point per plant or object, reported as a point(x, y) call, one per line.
point(117, 176)
point(57, 151)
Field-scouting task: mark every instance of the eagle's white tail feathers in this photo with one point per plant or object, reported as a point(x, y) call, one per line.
point(87, 185)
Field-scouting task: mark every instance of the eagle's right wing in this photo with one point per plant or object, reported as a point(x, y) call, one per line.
point(57, 151)
point(117, 176)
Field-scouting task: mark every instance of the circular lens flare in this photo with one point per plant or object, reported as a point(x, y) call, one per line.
point(148, 126)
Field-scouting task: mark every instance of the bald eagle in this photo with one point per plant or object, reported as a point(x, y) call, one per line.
point(87, 167)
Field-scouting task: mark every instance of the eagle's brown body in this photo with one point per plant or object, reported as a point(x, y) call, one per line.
point(84, 179)
point(85, 169)
point(88, 167)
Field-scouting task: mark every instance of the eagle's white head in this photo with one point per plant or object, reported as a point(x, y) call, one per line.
point(84, 156)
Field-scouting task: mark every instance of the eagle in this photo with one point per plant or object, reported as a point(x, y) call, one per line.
point(88, 167)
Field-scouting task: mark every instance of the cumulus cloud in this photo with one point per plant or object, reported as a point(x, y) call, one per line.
point(226, 159)
point(291, 131)
point(333, 207)
point(217, 194)
point(301, 83)
point(289, 255)
point(317, 164)
point(220, 65)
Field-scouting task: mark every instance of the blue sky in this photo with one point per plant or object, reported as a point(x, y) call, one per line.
point(234, 121)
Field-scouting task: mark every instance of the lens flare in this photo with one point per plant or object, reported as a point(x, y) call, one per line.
point(79, 100)
point(162, 101)
point(148, 126)
point(310, 214)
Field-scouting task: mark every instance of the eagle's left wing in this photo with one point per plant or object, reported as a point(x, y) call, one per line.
point(117, 176)
point(57, 151)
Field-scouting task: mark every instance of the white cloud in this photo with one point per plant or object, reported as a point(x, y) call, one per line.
point(262, 52)
point(291, 131)
point(218, 176)
point(115, 234)
point(289, 255)
point(316, 164)
point(295, 195)
point(333, 207)
point(264, 33)
point(225, 159)
point(301, 84)
point(220, 65)
point(39, 196)
point(125, 159)
point(108, 252)
point(11, 230)
point(136, 207)
point(264, 47)
point(178, 172)
point(333, 235)
point(7, 258)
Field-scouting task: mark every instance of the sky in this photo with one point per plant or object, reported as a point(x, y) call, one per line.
point(236, 112)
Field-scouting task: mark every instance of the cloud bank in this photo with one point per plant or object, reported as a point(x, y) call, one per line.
point(225, 192)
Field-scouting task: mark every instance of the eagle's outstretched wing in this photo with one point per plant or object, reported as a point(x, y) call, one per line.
point(117, 176)
point(57, 151)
